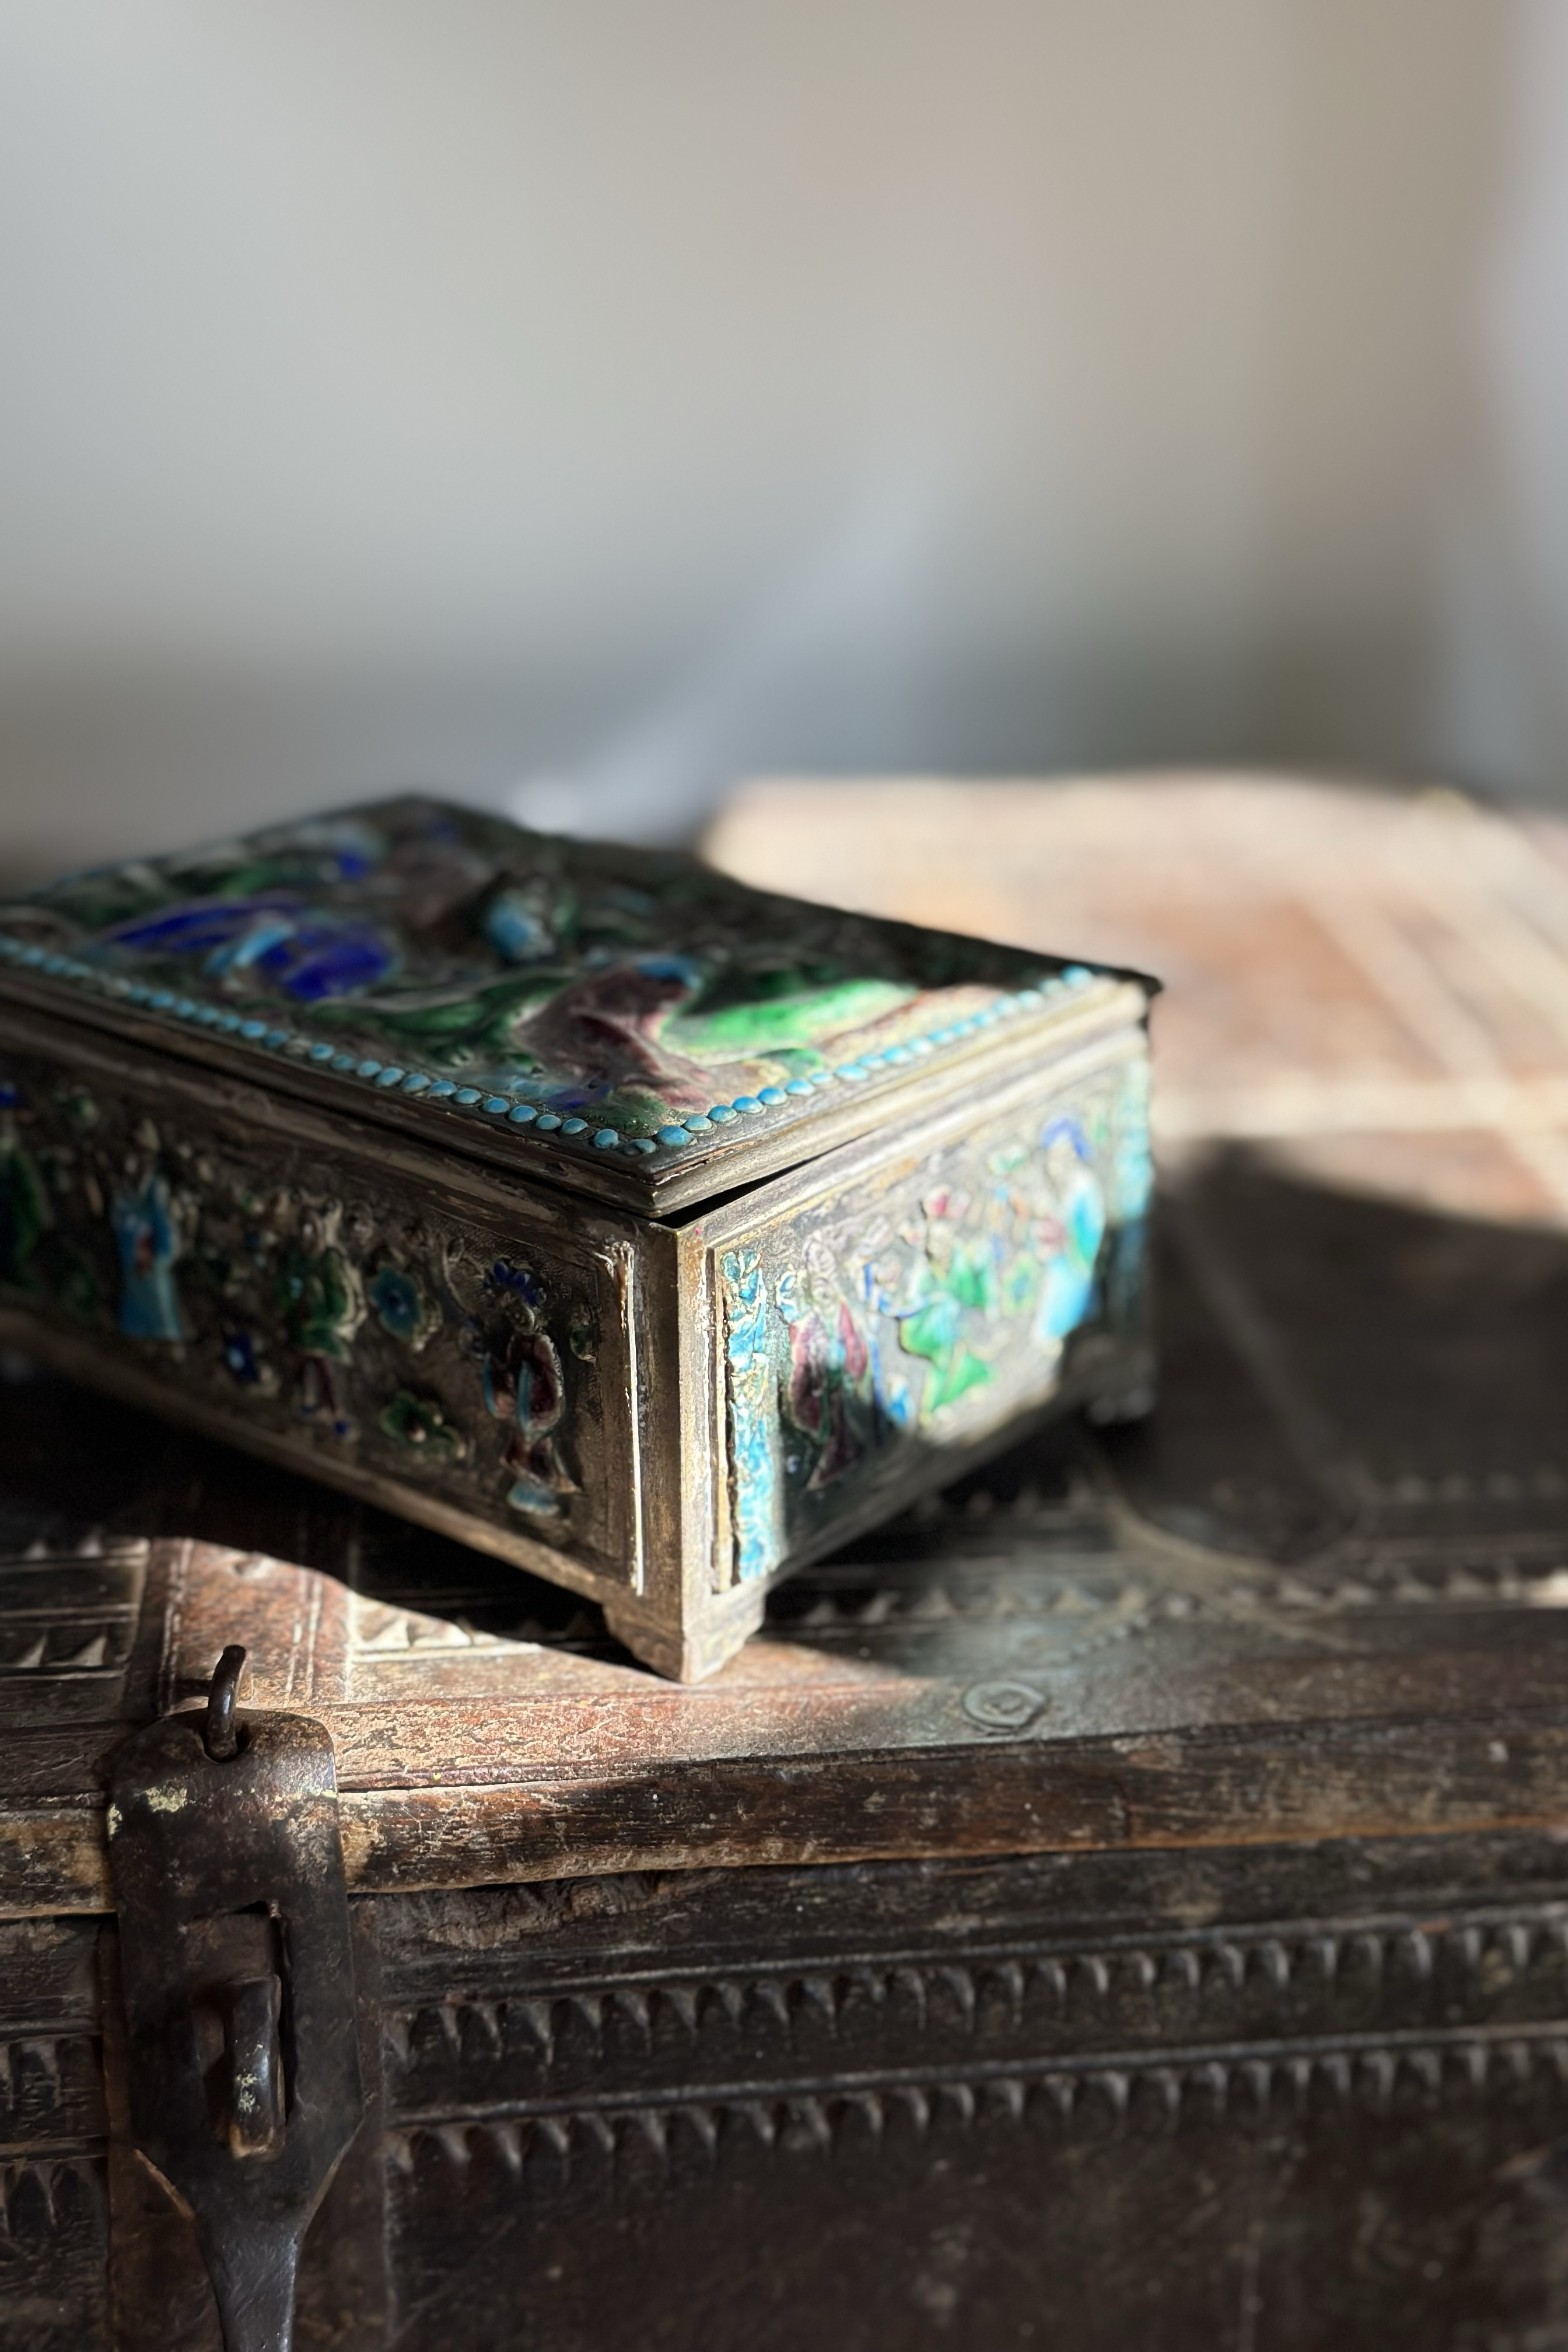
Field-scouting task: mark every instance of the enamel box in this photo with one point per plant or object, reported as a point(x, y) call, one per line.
point(651, 1232)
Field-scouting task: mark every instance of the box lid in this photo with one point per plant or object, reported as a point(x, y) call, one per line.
point(624, 1021)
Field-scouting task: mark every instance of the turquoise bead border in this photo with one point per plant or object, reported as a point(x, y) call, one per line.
point(516, 1111)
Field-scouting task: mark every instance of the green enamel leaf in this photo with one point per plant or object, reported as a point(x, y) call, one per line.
point(800, 1018)
point(932, 1331)
point(972, 1278)
point(950, 1381)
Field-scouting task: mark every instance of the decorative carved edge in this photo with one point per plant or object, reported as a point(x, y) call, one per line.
point(1076, 1979)
point(98, 1642)
point(1136, 1590)
point(41, 2052)
point(65, 982)
point(1363, 2072)
point(48, 1634)
point(42, 2190)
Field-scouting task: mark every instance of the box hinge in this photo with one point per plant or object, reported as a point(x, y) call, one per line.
point(241, 2033)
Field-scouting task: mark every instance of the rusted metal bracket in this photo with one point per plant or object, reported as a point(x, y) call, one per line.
point(243, 2062)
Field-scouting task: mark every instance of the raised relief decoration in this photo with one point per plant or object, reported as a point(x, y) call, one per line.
point(575, 1199)
point(620, 1001)
point(310, 1306)
point(918, 1314)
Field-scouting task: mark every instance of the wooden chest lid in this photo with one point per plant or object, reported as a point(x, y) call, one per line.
point(1321, 1596)
point(626, 1021)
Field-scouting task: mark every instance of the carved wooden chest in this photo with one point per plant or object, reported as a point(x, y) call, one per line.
point(1122, 1902)
point(645, 1230)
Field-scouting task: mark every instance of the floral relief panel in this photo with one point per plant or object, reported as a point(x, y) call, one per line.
point(926, 1313)
point(306, 1299)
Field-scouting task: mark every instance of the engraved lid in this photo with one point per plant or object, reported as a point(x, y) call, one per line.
point(626, 1021)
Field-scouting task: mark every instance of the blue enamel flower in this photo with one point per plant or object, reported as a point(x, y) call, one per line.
point(395, 1297)
point(311, 953)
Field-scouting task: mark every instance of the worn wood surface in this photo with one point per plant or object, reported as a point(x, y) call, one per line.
point(1373, 985)
point(1281, 2097)
point(1321, 1593)
point(1273, 2100)
point(1122, 1903)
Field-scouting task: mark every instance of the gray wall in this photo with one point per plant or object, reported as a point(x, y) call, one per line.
point(579, 402)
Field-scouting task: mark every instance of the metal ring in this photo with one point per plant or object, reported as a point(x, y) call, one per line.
point(219, 1737)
